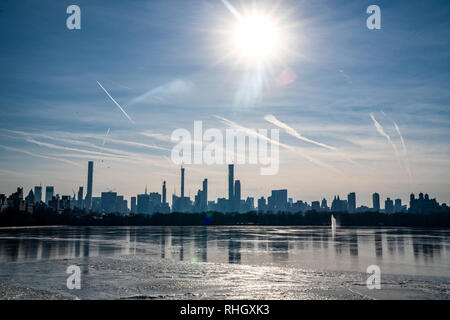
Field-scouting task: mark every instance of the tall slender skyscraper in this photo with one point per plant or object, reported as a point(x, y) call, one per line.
point(164, 193)
point(204, 200)
point(88, 201)
point(182, 182)
point(376, 202)
point(230, 186)
point(237, 195)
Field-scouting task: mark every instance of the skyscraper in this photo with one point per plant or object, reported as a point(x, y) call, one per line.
point(277, 202)
point(133, 205)
point(376, 202)
point(182, 182)
point(351, 199)
point(143, 203)
point(398, 205)
point(88, 202)
point(49, 192)
point(109, 200)
point(204, 200)
point(164, 193)
point(237, 195)
point(389, 206)
point(38, 194)
point(80, 197)
point(230, 186)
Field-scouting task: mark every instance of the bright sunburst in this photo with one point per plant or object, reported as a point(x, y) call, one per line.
point(259, 42)
point(257, 38)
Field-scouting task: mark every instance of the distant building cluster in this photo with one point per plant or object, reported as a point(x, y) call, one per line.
point(154, 202)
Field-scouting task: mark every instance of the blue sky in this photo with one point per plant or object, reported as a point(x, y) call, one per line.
point(166, 63)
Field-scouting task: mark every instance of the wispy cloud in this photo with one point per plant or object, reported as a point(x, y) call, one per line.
point(404, 150)
point(297, 150)
point(381, 131)
point(164, 91)
point(270, 118)
point(54, 146)
point(39, 155)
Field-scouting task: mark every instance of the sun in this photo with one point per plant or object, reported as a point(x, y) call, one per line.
point(257, 38)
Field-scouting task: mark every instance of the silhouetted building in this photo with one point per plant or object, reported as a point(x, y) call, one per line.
point(133, 205)
point(80, 203)
point(376, 202)
point(398, 206)
point(182, 182)
point(38, 194)
point(109, 201)
point(389, 206)
point(315, 205)
point(237, 196)
point(155, 202)
point(30, 197)
point(121, 205)
point(164, 193)
point(423, 204)
point(277, 202)
point(49, 192)
point(204, 195)
point(324, 205)
point(143, 203)
point(351, 199)
point(96, 204)
point(230, 187)
point(262, 205)
point(339, 205)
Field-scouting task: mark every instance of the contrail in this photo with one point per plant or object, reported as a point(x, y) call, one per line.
point(104, 141)
point(285, 146)
point(115, 102)
point(404, 150)
point(39, 155)
point(232, 9)
point(270, 118)
point(381, 131)
point(54, 146)
point(106, 135)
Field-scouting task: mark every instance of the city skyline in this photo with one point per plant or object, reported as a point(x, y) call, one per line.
point(279, 201)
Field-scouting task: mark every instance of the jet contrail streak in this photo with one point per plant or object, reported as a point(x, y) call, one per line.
point(405, 151)
point(115, 102)
point(285, 146)
point(232, 9)
point(381, 131)
point(106, 135)
point(270, 118)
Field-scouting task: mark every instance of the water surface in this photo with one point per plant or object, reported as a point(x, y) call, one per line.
point(224, 262)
